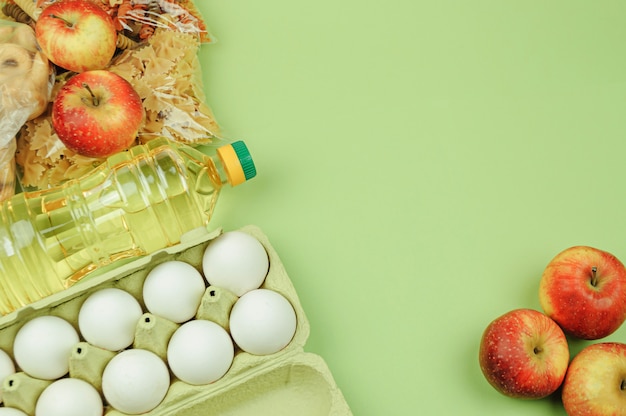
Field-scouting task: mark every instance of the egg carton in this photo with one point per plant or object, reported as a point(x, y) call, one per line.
point(288, 382)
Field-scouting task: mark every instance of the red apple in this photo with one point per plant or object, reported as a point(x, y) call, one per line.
point(97, 113)
point(524, 354)
point(584, 290)
point(76, 35)
point(595, 383)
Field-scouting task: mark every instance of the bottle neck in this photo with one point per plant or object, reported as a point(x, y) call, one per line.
point(233, 162)
point(226, 162)
point(205, 158)
point(220, 170)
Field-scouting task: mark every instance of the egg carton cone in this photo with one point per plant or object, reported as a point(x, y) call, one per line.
point(288, 382)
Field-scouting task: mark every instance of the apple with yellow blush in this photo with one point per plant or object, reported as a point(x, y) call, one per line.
point(595, 383)
point(76, 35)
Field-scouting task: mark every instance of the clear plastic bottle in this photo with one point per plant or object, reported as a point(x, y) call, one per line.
point(133, 204)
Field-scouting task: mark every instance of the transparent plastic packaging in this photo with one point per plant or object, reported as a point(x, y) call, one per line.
point(134, 204)
point(26, 80)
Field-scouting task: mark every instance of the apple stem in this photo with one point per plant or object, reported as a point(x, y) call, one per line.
point(94, 99)
point(67, 22)
point(594, 277)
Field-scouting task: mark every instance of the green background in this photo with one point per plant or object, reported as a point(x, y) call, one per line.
point(419, 164)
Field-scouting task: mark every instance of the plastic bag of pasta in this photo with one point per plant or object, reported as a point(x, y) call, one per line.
point(26, 80)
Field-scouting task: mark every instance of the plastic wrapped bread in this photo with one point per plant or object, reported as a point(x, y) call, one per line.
point(26, 80)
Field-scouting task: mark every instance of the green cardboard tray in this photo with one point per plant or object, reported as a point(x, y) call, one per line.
point(289, 382)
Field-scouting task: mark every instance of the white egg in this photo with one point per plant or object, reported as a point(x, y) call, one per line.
point(200, 352)
point(7, 367)
point(135, 381)
point(235, 261)
point(173, 290)
point(262, 322)
point(69, 397)
point(108, 317)
point(11, 411)
point(42, 347)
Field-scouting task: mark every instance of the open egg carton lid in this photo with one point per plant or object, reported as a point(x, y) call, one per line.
point(290, 381)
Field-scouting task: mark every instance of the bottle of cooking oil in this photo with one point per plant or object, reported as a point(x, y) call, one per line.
point(135, 203)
